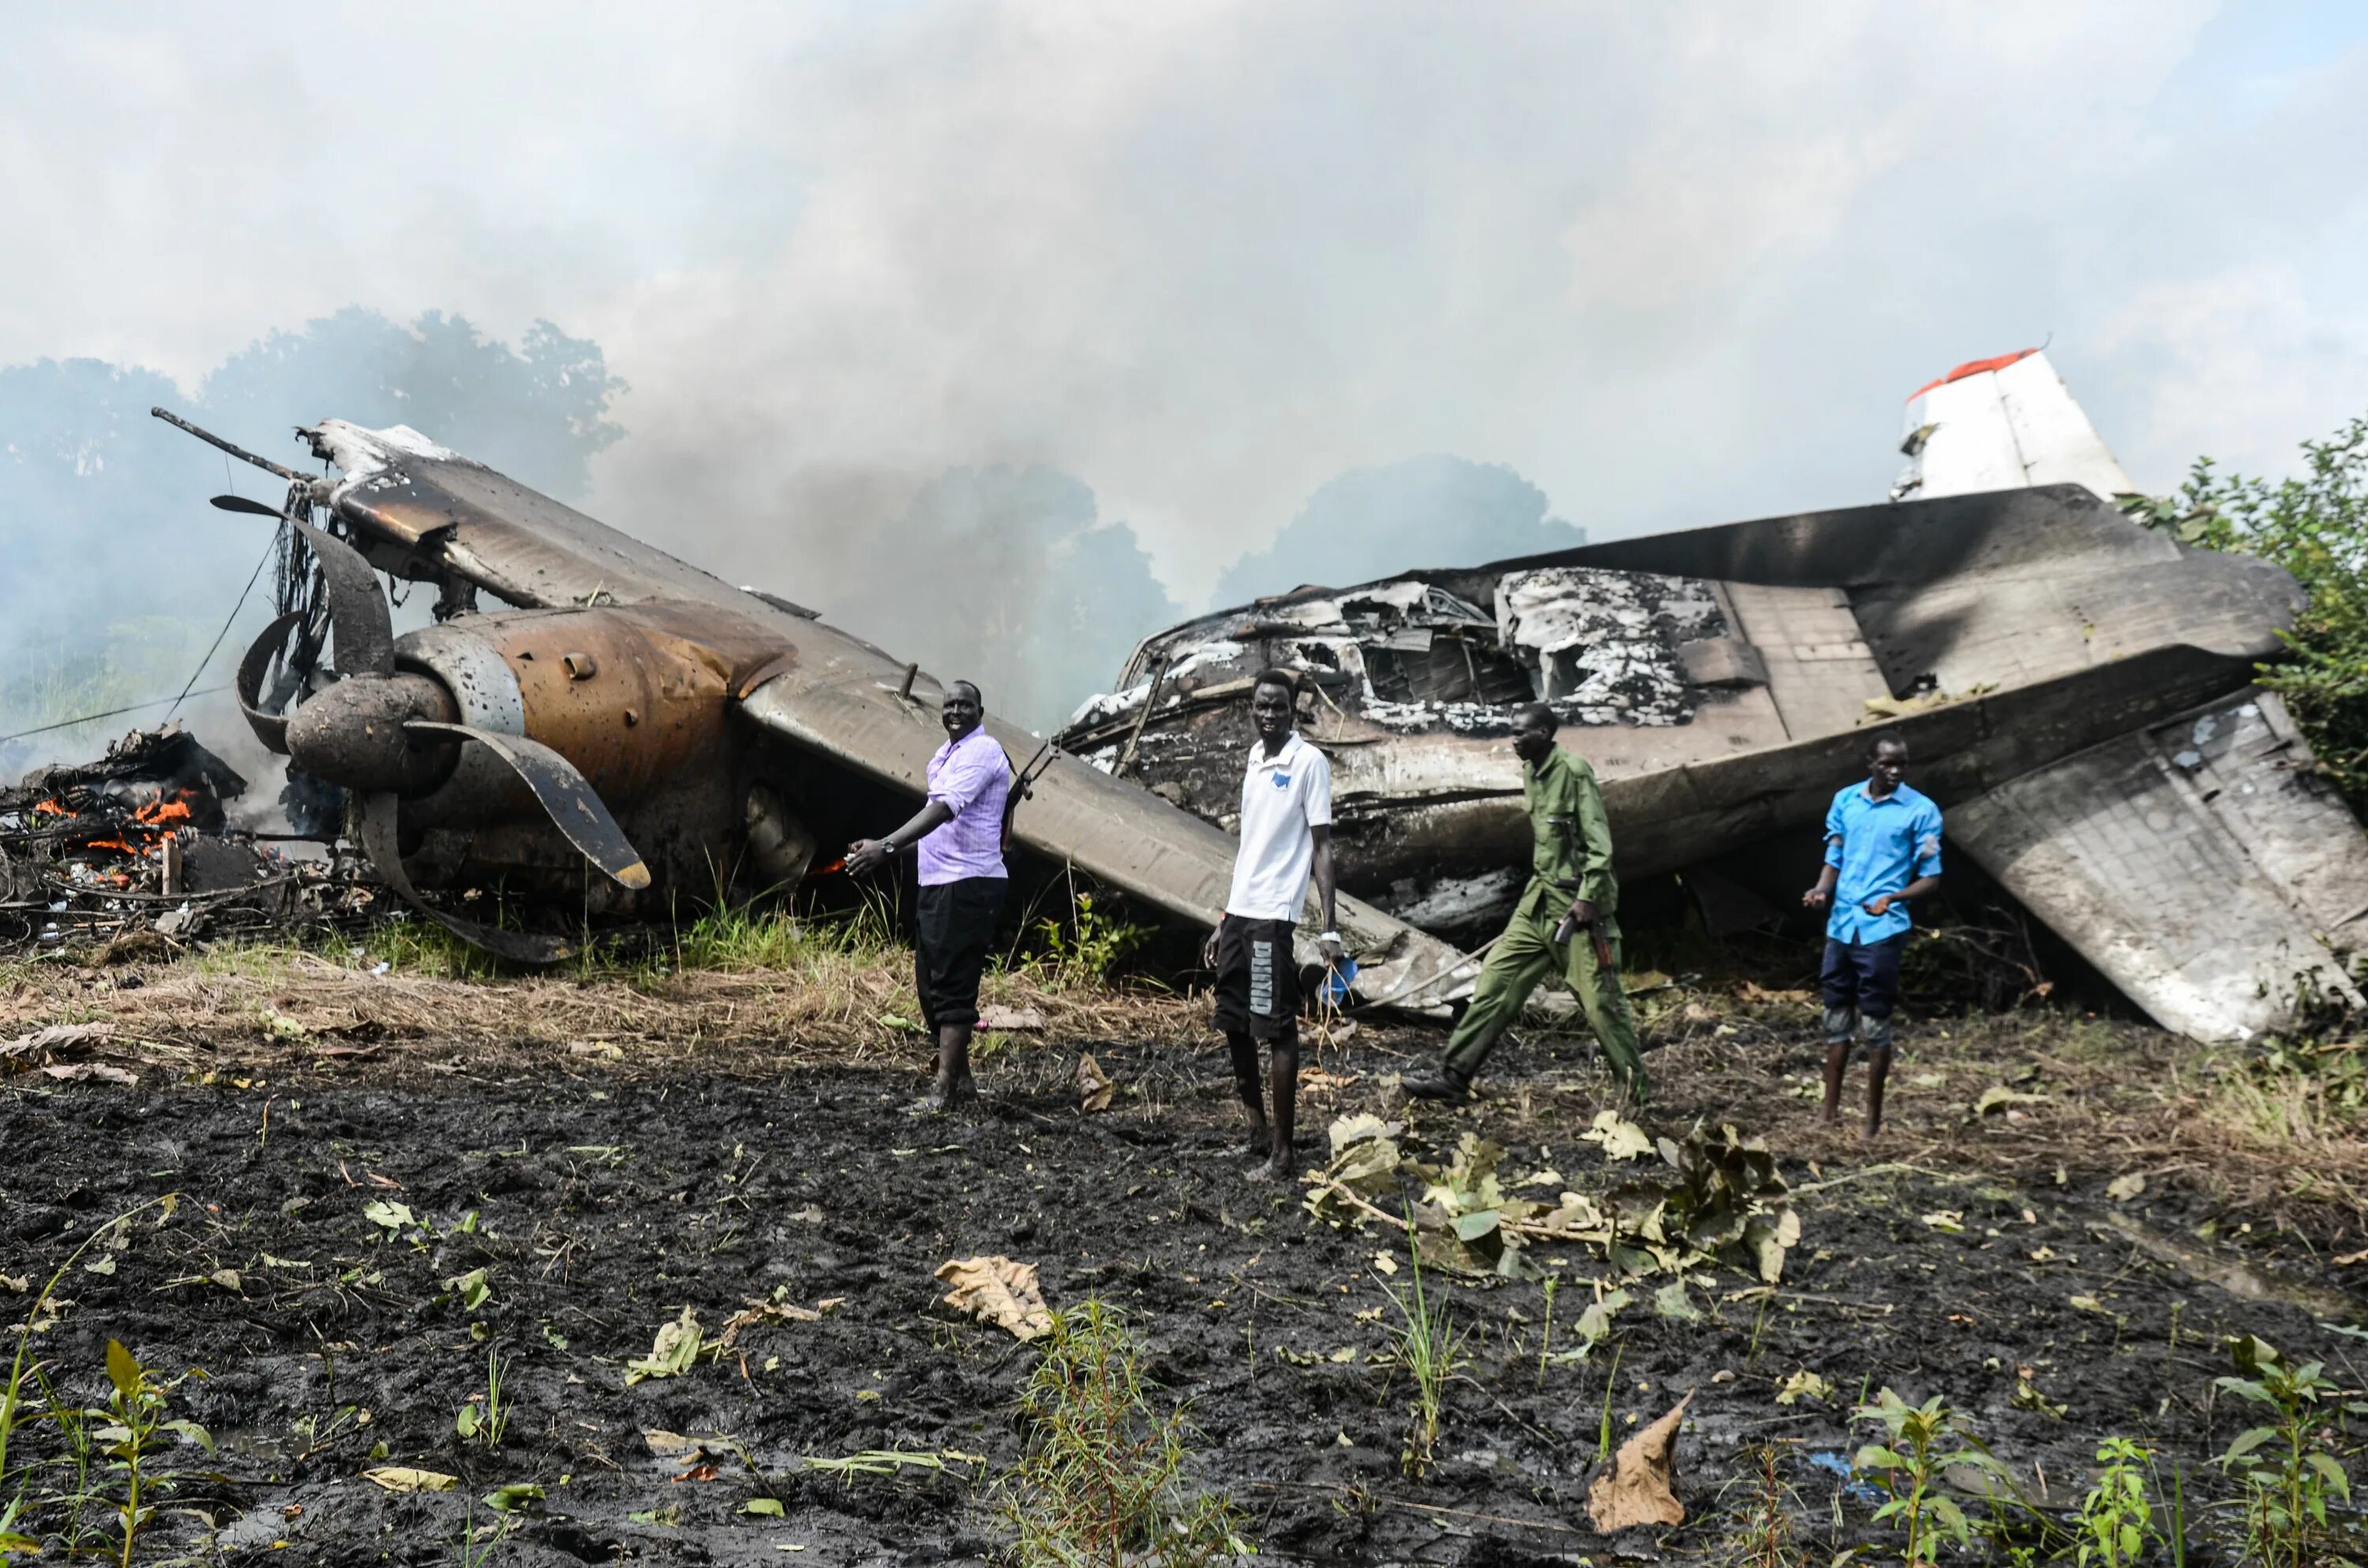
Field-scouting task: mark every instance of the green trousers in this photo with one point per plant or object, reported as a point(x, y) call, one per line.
point(1526, 954)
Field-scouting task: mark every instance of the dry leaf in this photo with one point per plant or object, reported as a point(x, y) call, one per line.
point(55, 1035)
point(1642, 1486)
point(1094, 1087)
point(1621, 1139)
point(2121, 1189)
point(403, 1478)
point(997, 1290)
point(76, 1071)
point(996, 1018)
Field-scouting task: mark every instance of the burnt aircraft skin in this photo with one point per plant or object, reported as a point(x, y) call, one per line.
point(1721, 680)
point(626, 708)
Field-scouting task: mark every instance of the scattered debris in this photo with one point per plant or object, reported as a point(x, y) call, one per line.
point(1642, 1486)
point(1724, 1204)
point(135, 853)
point(997, 1290)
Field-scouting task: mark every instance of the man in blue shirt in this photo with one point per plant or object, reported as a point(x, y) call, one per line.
point(1882, 852)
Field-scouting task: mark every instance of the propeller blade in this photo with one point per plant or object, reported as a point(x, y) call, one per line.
point(359, 623)
point(379, 843)
point(566, 797)
point(271, 729)
point(358, 618)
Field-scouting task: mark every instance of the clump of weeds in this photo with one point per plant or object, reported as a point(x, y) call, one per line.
point(1920, 1441)
point(1762, 1532)
point(2288, 1467)
point(1430, 1350)
point(1101, 1484)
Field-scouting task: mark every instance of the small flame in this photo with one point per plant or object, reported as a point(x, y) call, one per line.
point(837, 865)
point(50, 808)
point(161, 811)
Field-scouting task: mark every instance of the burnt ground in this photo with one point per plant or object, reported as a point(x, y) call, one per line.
point(602, 1196)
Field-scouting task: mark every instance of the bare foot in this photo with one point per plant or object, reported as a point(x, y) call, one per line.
point(1279, 1168)
point(1261, 1145)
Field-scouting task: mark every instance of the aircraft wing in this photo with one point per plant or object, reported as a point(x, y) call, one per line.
point(420, 508)
point(2201, 864)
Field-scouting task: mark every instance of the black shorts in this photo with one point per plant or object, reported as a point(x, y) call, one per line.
point(1864, 976)
point(1257, 978)
point(952, 932)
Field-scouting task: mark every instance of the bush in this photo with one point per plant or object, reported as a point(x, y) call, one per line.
point(2317, 528)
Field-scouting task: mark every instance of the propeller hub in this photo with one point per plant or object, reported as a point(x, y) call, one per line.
point(352, 734)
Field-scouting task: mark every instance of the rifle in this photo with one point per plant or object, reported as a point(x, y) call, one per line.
point(1570, 926)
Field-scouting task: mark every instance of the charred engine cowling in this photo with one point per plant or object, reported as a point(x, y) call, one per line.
point(639, 710)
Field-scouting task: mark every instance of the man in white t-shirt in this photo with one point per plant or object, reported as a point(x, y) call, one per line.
point(1286, 833)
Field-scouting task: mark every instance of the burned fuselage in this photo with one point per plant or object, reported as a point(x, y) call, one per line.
point(1722, 680)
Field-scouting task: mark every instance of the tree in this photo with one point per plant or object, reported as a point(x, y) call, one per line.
point(2315, 526)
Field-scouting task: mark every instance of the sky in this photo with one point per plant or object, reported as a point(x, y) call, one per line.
point(1670, 264)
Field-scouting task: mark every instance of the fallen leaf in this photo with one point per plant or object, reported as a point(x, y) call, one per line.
point(76, 1071)
point(2043, 1255)
point(667, 1444)
point(1998, 1096)
point(55, 1035)
point(2121, 1189)
point(1621, 1139)
point(761, 1312)
point(1946, 1219)
point(2346, 1261)
point(996, 1018)
point(389, 1214)
point(403, 1478)
point(1804, 1384)
point(1640, 1488)
point(1671, 1302)
point(2089, 1303)
point(1094, 1087)
point(765, 1508)
point(997, 1290)
point(672, 1352)
point(514, 1496)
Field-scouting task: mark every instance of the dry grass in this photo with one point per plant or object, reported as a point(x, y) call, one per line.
point(821, 1002)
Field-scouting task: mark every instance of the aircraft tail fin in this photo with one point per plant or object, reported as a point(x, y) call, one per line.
point(2002, 423)
point(2201, 864)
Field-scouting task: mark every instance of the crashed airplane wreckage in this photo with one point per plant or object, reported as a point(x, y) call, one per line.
point(2076, 691)
point(624, 711)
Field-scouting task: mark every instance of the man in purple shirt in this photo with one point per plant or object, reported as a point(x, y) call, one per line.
point(960, 830)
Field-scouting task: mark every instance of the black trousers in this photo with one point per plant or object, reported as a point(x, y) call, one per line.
point(953, 931)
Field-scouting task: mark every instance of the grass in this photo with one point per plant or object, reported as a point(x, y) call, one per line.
point(1432, 1351)
point(1102, 1482)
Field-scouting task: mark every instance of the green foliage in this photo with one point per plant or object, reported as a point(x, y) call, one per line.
point(2287, 1466)
point(1102, 1484)
point(1921, 1441)
point(1093, 944)
point(2116, 1518)
point(2315, 526)
point(486, 1417)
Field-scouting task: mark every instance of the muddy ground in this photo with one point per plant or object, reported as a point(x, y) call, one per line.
point(602, 1192)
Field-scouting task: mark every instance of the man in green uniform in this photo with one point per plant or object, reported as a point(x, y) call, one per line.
point(1551, 929)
